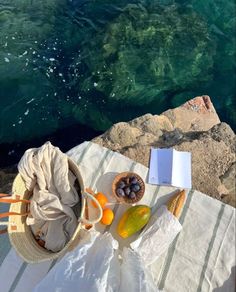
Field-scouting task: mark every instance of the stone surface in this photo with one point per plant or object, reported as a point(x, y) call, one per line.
point(197, 114)
point(194, 127)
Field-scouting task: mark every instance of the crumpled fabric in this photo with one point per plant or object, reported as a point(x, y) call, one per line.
point(157, 235)
point(94, 266)
point(46, 172)
point(134, 275)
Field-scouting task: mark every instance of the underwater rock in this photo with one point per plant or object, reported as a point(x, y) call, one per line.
point(81, 62)
point(138, 56)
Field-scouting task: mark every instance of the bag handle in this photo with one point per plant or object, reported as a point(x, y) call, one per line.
point(88, 193)
point(6, 223)
point(3, 199)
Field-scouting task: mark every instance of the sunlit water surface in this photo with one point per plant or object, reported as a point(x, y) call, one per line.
point(69, 68)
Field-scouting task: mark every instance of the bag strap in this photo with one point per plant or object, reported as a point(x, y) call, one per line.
point(4, 199)
point(7, 214)
point(88, 193)
point(10, 201)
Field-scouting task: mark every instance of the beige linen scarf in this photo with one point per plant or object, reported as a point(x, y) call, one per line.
point(46, 172)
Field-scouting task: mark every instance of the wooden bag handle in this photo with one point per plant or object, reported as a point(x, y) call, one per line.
point(4, 199)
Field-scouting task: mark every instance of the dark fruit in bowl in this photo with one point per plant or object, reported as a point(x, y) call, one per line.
point(132, 195)
point(122, 184)
point(120, 192)
point(133, 180)
point(135, 188)
point(128, 187)
point(127, 190)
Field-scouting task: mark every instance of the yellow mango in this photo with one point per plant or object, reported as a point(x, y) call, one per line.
point(133, 220)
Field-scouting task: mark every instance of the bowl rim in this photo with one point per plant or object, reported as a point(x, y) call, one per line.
point(126, 200)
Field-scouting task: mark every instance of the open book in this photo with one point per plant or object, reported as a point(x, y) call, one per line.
point(170, 167)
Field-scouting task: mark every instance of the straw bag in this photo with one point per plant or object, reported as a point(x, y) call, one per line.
point(20, 234)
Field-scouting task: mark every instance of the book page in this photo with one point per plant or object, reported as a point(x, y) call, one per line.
point(153, 178)
point(160, 171)
point(164, 166)
point(181, 169)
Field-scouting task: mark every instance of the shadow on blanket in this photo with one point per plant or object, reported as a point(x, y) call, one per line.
point(229, 284)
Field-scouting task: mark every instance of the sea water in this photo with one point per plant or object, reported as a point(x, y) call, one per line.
point(69, 69)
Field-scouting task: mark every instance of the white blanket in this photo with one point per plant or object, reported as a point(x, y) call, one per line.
point(45, 171)
point(201, 258)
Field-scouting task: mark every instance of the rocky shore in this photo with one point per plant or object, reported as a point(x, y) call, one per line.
point(194, 126)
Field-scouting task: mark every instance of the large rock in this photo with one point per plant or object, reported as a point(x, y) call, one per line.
point(197, 114)
point(194, 127)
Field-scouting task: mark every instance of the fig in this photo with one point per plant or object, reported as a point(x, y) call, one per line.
point(120, 192)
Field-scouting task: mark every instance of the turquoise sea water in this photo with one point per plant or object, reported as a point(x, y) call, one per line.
point(69, 69)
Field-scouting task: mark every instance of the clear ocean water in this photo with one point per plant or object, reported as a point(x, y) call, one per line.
point(69, 69)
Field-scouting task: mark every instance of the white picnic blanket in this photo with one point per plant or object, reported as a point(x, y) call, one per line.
point(201, 258)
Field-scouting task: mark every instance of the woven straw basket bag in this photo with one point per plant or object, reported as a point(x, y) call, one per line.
point(20, 234)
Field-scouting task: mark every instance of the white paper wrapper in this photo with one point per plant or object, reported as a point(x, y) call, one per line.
point(134, 275)
point(157, 236)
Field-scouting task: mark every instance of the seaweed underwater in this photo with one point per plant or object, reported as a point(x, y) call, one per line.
point(81, 62)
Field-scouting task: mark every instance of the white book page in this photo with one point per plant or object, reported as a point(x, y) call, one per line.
point(153, 178)
point(164, 166)
point(181, 169)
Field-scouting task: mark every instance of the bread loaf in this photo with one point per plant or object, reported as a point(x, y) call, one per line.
point(175, 204)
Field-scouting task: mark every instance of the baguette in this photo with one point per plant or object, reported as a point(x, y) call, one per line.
point(175, 204)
